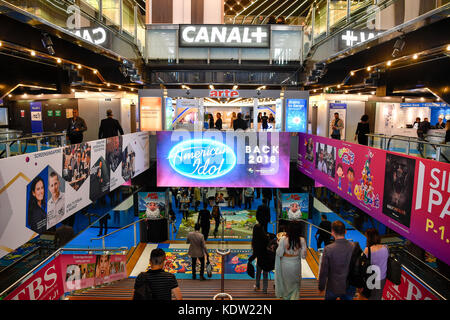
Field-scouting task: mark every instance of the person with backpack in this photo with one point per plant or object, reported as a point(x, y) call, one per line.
point(260, 242)
point(288, 262)
point(335, 265)
point(156, 284)
point(379, 257)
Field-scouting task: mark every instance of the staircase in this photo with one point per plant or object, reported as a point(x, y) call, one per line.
point(198, 290)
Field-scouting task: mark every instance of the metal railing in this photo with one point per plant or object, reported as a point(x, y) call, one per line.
point(439, 151)
point(115, 231)
point(54, 255)
point(58, 138)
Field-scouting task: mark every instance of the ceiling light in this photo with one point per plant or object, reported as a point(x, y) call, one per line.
point(33, 53)
point(95, 71)
point(79, 66)
point(415, 56)
point(346, 91)
point(2, 44)
point(359, 93)
point(448, 47)
point(99, 89)
point(369, 68)
point(10, 95)
point(25, 95)
point(314, 90)
point(58, 60)
point(85, 91)
point(120, 87)
point(73, 90)
point(373, 92)
point(132, 89)
point(339, 86)
point(108, 84)
point(352, 73)
point(389, 63)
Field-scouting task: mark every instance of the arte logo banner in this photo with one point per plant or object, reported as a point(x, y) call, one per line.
point(228, 159)
point(409, 195)
point(409, 289)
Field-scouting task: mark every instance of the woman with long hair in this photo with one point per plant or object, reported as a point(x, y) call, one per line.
point(288, 262)
point(378, 257)
point(233, 117)
point(37, 216)
point(260, 240)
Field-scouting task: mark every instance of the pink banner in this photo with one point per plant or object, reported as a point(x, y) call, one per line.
point(69, 272)
point(46, 284)
point(409, 195)
point(408, 289)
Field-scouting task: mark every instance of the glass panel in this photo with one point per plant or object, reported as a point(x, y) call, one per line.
point(128, 17)
point(194, 53)
point(162, 45)
point(320, 20)
point(91, 7)
point(286, 46)
point(111, 11)
point(307, 34)
point(141, 33)
point(231, 54)
point(338, 11)
point(254, 54)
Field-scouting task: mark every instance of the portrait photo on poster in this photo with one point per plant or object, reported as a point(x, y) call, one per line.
point(76, 164)
point(56, 204)
point(99, 179)
point(37, 202)
point(114, 152)
point(326, 159)
point(398, 188)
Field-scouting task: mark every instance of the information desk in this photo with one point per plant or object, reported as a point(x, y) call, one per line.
point(154, 230)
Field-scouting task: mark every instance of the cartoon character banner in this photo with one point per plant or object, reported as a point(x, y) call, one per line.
point(39, 190)
point(152, 205)
point(294, 206)
point(69, 272)
point(409, 195)
point(227, 159)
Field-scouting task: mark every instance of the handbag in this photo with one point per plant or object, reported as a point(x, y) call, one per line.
point(208, 267)
point(394, 270)
point(366, 292)
point(250, 269)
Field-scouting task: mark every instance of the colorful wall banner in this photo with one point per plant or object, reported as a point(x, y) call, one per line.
point(294, 206)
point(407, 194)
point(409, 289)
point(296, 115)
point(38, 190)
point(152, 204)
point(69, 272)
point(227, 159)
point(150, 114)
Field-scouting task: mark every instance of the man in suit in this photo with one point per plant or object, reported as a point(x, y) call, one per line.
point(219, 121)
point(336, 264)
point(323, 236)
point(197, 249)
point(109, 127)
point(239, 123)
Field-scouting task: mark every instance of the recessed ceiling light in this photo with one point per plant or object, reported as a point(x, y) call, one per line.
point(79, 66)
point(33, 53)
point(58, 60)
point(389, 63)
point(352, 73)
point(369, 68)
point(415, 56)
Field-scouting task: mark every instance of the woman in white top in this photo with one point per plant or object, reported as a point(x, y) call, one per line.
point(288, 264)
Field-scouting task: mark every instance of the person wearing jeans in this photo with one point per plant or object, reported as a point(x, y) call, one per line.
point(260, 240)
point(197, 249)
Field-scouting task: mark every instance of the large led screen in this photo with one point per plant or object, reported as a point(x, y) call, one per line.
point(223, 159)
point(296, 115)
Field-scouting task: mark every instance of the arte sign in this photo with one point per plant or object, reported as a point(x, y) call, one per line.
point(407, 194)
point(224, 36)
point(201, 159)
point(224, 93)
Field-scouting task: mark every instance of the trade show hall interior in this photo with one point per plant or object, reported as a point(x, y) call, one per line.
point(123, 124)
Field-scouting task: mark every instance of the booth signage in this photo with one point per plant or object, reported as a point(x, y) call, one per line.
point(224, 93)
point(424, 105)
point(224, 36)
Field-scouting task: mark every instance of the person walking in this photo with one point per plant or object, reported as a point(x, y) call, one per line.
point(323, 236)
point(336, 127)
point(239, 123)
point(204, 219)
point(362, 130)
point(216, 216)
point(197, 250)
point(185, 201)
point(248, 196)
point(211, 121)
point(109, 127)
point(267, 195)
point(104, 224)
point(263, 215)
point(197, 198)
point(156, 284)
point(260, 241)
point(335, 265)
point(379, 255)
point(264, 120)
point(218, 125)
point(75, 128)
point(288, 264)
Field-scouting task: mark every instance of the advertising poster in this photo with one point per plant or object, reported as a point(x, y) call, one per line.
point(170, 114)
point(36, 117)
point(294, 206)
point(278, 114)
point(150, 114)
point(409, 289)
point(39, 190)
point(341, 109)
point(407, 194)
point(296, 115)
point(227, 159)
point(152, 205)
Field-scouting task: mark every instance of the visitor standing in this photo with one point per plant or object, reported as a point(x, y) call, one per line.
point(197, 250)
point(204, 219)
point(336, 127)
point(75, 128)
point(362, 130)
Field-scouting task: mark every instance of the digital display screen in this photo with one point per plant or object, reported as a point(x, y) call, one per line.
point(226, 159)
point(296, 115)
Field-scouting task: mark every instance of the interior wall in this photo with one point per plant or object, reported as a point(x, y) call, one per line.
point(355, 110)
point(88, 110)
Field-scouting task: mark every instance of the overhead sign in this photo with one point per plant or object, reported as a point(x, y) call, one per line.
point(424, 105)
point(224, 36)
point(350, 38)
point(224, 93)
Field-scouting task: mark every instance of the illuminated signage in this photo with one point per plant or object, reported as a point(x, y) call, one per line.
point(92, 35)
point(224, 36)
point(351, 38)
point(202, 159)
point(224, 93)
point(296, 115)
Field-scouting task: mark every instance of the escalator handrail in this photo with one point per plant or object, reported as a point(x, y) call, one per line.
point(20, 259)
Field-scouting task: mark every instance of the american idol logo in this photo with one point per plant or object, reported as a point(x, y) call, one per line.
point(202, 159)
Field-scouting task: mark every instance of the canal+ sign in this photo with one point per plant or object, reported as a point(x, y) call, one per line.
point(224, 36)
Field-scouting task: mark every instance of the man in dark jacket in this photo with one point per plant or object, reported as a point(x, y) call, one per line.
point(263, 215)
point(323, 236)
point(267, 195)
point(218, 121)
point(204, 219)
point(75, 128)
point(239, 123)
point(109, 127)
point(335, 265)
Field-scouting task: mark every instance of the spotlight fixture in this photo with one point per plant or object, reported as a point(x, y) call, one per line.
point(33, 53)
point(1, 43)
point(85, 91)
point(373, 92)
point(47, 43)
point(415, 56)
point(398, 46)
point(359, 93)
point(79, 66)
point(132, 89)
point(9, 95)
point(389, 63)
point(369, 68)
point(99, 89)
point(352, 73)
point(73, 90)
point(108, 84)
point(346, 91)
point(120, 87)
point(314, 90)
point(211, 87)
point(339, 86)
point(58, 60)
point(448, 47)
point(95, 71)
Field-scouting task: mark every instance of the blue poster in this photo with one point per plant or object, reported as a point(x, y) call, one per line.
point(296, 115)
point(36, 117)
point(170, 113)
